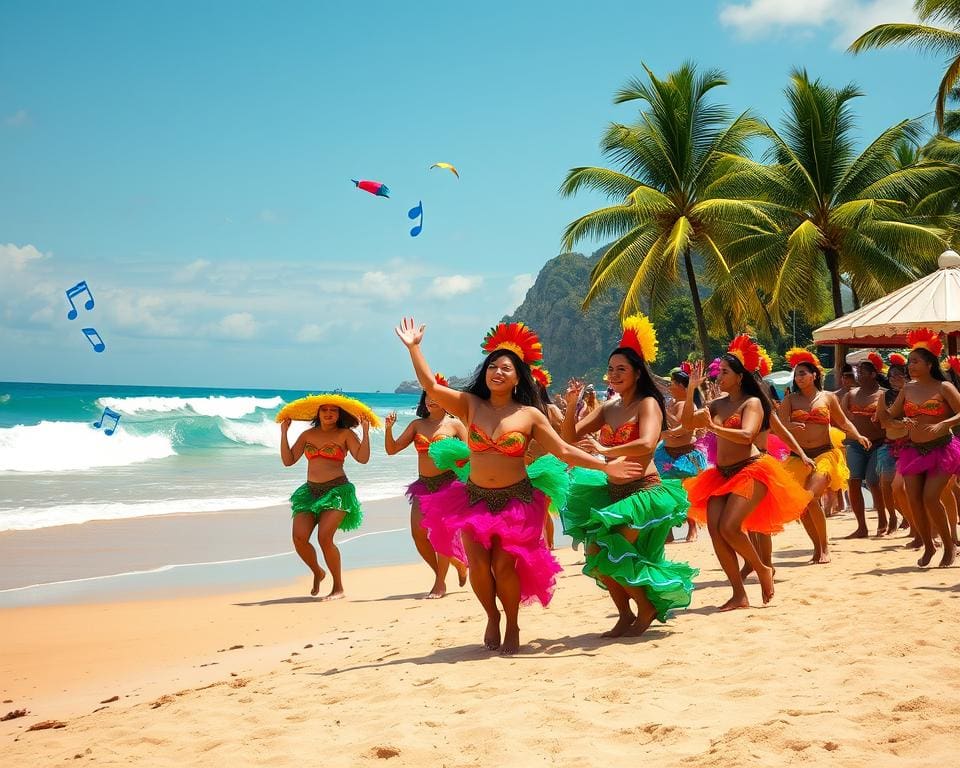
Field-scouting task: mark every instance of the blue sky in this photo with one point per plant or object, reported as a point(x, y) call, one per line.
point(192, 163)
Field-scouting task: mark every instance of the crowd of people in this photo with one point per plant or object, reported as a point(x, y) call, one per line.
point(709, 446)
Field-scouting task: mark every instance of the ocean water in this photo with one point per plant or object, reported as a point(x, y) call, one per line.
point(175, 450)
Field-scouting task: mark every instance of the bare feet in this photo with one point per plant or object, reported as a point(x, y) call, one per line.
point(691, 536)
point(735, 602)
point(439, 590)
point(491, 638)
point(622, 625)
point(461, 572)
point(949, 555)
point(511, 641)
point(819, 558)
point(860, 533)
point(928, 553)
point(317, 578)
point(915, 543)
point(881, 532)
point(642, 623)
point(892, 525)
point(765, 575)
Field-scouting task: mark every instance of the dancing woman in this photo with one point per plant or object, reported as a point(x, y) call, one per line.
point(747, 490)
point(432, 425)
point(930, 407)
point(895, 436)
point(497, 515)
point(624, 525)
point(327, 501)
point(535, 451)
point(810, 412)
point(679, 455)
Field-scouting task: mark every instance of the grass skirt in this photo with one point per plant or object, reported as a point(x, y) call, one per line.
point(342, 496)
point(832, 463)
point(784, 501)
point(687, 465)
point(941, 460)
point(519, 527)
point(592, 518)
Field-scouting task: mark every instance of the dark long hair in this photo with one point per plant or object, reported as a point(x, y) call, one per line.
point(681, 378)
point(935, 370)
point(344, 420)
point(817, 377)
point(525, 392)
point(881, 379)
point(752, 388)
point(422, 411)
point(646, 386)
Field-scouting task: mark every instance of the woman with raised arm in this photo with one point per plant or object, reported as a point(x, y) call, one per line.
point(327, 501)
point(810, 412)
point(747, 490)
point(497, 515)
point(431, 426)
point(930, 407)
point(624, 525)
point(679, 454)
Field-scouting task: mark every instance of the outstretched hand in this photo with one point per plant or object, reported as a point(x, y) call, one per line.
point(390, 419)
point(696, 375)
point(574, 390)
point(409, 334)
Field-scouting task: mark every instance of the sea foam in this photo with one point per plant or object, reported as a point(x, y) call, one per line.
point(217, 405)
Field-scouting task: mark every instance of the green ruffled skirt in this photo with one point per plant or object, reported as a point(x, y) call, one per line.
point(591, 517)
point(343, 496)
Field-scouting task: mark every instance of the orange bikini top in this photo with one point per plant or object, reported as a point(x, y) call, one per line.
point(932, 407)
point(818, 415)
point(422, 443)
point(509, 444)
point(866, 410)
point(625, 433)
point(732, 421)
point(330, 451)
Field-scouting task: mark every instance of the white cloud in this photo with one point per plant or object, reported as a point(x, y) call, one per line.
point(850, 18)
point(448, 286)
point(19, 118)
point(311, 332)
point(189, 273)
point(16, 258)
point(380, 285)
point(518, 290)
point(239, 325)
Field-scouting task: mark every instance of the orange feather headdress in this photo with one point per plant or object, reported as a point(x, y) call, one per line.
point(441, 380)
point(924, 338)
point(895, 358)
point(542, 376)
point(765, 366)
point(877, 362)
point(516, 337)
point(640, 336)
point(953, 362)
point(747, 351)
point(797, 355)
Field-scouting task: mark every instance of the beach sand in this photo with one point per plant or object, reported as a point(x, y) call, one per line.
point(853, 664)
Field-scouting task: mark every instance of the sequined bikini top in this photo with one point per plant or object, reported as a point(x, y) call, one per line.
point(864, 410)
point(818, 415)
point(422, 443)
point(732, 421)
point(509, 444)
point(330, 451)
point(932, 407)
point(625, 433)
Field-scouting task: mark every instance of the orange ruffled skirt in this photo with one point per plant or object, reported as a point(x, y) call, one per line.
point(784, 502)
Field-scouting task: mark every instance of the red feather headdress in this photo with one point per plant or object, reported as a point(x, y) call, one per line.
point(953, 362)
point(516, 337)
point(877, 362)
point(441, 380)
point(542, 376)
point(765, 367)
point(746, 351)
point(924, 338)
point(796, 355)
point(640, 336)
point(895, 358)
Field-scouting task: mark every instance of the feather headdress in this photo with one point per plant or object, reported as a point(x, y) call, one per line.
point(895, 358)
point(747, 351)
point(542, 376)
point(516, 337)
point(796, 355)
point(924, 338)
point(640, 336)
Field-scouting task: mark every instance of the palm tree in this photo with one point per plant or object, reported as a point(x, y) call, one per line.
point(844, 218)
point(926, 37)
point(669, 200)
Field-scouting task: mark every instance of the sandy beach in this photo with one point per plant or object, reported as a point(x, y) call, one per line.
point(853, 664)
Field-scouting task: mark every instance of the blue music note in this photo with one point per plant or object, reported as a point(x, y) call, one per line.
point(79, 288)
point(108, 414)
point(98, 345)
point(417, 210)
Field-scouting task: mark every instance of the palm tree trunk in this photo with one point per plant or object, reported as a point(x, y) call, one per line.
point(697, 305)
point(833, 265)
point(856, 298)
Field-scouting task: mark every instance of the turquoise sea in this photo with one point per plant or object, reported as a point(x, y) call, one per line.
point(174, 450)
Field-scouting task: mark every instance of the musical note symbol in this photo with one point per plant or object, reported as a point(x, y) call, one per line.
point(98, 345)
point(417, 210)
point(79, 288)
point(108, 414)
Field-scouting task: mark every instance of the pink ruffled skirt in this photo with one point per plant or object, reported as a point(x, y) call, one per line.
point(942, 459)
point(448, 515)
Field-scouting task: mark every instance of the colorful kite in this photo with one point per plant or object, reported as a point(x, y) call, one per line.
point(446, 166)
point(373, 187)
